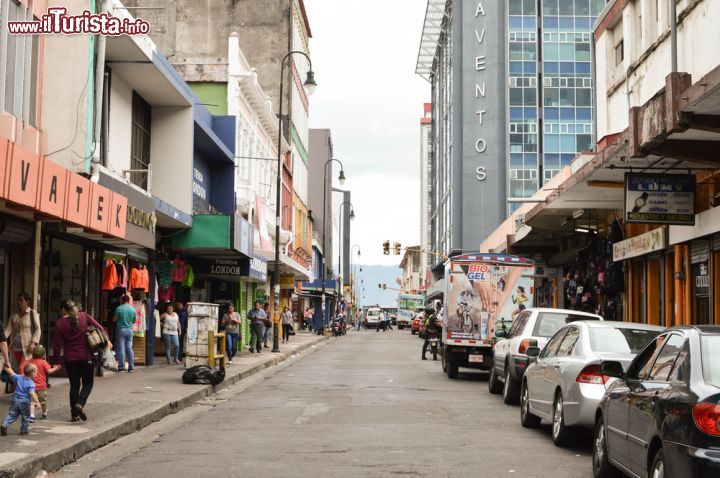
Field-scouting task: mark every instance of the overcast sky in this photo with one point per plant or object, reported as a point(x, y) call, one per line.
point(364, 56)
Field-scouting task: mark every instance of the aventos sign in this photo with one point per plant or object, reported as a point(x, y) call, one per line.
point(480, 85)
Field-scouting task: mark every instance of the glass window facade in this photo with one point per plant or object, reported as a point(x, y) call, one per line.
point(550, 88)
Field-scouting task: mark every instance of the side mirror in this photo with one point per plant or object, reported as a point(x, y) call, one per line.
point(532, 352)
point(612, 369)
point(501, 334)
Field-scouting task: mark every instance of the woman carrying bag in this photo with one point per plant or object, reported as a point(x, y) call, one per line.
point(75, 334)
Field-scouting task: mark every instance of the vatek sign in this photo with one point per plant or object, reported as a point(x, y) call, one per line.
point(655, 240)
point(32, 181)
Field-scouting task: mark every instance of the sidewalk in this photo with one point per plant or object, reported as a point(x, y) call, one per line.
point(120, 404)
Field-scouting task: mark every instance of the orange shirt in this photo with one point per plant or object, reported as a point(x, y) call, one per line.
point(139, 279)
point(109, 276)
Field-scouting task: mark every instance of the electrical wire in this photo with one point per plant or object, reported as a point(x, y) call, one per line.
point(77, 118)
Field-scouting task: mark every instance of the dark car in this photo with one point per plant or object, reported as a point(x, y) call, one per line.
point(661, 417)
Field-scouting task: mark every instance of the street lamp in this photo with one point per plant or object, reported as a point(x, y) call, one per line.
point(310, 85)
point(351, 216)
point(341, 179)
point(354, 276)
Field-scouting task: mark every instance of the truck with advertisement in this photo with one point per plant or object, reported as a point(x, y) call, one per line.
point(483, 293)
point(408, 306)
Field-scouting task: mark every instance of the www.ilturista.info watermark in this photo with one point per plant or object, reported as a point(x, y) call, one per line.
point(57, 21)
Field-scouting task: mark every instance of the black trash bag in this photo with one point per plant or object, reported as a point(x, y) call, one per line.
point(203, 375)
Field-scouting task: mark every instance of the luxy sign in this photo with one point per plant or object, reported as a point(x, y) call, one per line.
point(35, 182)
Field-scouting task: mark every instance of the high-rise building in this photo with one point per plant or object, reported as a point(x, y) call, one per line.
point(512, 104)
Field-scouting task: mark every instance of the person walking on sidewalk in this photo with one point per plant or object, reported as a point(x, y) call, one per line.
point(182, 313)
point(171, 330)
point(71, 337)
point(22, 397)
point(287, 323)
point(231, 324)
point(257, 318)
point(124, 319)
point(267, 322)
point(23, 330)
point(41, 381)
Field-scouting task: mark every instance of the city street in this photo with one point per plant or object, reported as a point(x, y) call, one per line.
point(364, 405)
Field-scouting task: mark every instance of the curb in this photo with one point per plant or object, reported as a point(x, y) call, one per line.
point(74, 449)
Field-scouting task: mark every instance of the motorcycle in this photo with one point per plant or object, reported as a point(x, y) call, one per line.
point(338, 328)
point(434, 340)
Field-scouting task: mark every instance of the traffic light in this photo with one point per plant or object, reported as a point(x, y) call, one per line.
point(386, 248)
point(384, 286)
point(397, 248)
point(379, 286)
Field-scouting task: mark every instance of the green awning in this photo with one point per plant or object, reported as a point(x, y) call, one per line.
point(207, 232)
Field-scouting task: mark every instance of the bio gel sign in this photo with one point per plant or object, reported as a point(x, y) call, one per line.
point(478, 272)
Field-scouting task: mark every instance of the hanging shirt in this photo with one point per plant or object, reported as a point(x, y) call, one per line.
point(189, 277)
point(164, 271)
point(109, 276)
point(139, 279)
point(139, 324)
point(166, 295)
point(121, 275)
point(179, 270)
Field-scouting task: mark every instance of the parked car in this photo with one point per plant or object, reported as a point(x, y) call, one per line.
point(661, 417)
point(531, 327)
point(373, 316)
point(564, 385)
point(417, 321)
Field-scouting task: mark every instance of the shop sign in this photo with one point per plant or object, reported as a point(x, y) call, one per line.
point(260, 295)
point(660, 198)
point(256, 268)
point(702, 280)
point(219, 267)
point(655, 240)
point(139, 211)
point(36, 182)
point(242, 235)
point(287, 281)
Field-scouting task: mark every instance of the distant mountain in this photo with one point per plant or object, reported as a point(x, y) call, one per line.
point(371, 276)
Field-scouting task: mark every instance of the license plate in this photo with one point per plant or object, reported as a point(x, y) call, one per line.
point(475, 358)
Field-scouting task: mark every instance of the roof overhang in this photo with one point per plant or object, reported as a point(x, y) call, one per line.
point(436, 16)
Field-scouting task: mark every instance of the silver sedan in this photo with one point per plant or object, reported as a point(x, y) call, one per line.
point(564, 385)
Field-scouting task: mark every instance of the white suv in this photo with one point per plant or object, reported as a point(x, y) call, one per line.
point(373, 316)
point(531, 328)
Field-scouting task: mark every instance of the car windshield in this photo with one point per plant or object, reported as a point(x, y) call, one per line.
point(620, 340)
point(710, 345)
point(550, 322)
point(373, 312)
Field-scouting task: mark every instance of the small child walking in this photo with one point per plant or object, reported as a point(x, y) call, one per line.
point(21, 399)
point(41, 383)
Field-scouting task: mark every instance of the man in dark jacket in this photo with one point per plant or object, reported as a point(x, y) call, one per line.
point(432, 329)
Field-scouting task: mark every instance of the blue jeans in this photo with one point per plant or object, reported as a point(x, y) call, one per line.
point(124, 338)
point(18, 409)
point(232, 339)
point(175, 342)
point(266, 333)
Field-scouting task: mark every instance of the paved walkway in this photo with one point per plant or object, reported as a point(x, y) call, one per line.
point(120, 404)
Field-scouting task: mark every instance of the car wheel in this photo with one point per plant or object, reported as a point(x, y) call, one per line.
point(561, 434)
point(527, 419)
point(444, 360)
point(495, 386)
point(511, 388)
point(601, 462)
point(657, 470)
point(452, 370)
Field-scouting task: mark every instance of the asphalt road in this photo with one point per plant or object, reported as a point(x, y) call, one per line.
point(362, 406)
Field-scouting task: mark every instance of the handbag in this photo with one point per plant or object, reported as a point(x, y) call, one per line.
point(95, 339)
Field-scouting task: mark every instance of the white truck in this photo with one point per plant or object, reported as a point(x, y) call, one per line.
point(483, 293)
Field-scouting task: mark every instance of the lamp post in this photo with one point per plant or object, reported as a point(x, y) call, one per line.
point(354, 277)
point(310, 87)
point(341, 179)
